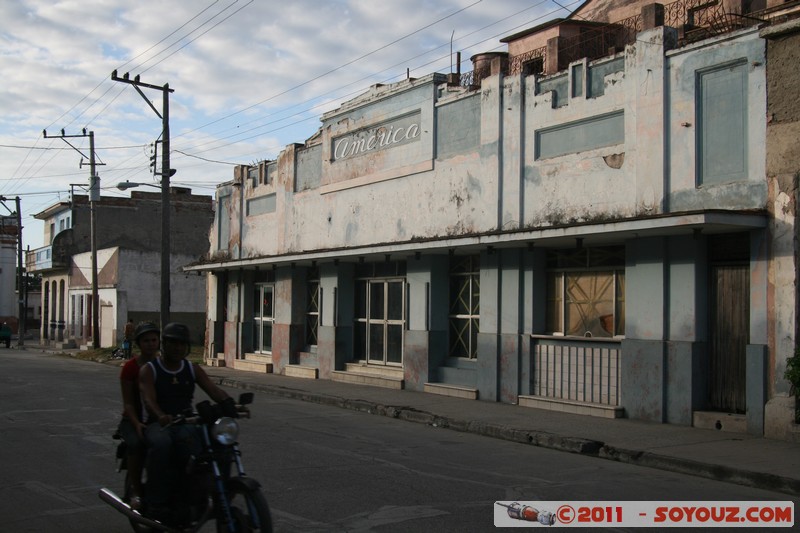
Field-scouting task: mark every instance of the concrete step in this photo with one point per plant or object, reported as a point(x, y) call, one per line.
point(375, 380)
point(253, 366)
point(258, 357)
point(300, 371)
point(375, 370)
point(728, 422)
point(566, 406)
point(215, 361)
point(453, 391)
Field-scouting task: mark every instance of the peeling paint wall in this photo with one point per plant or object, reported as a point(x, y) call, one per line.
point(423, 161)
point(652, 170)
point(783, 173)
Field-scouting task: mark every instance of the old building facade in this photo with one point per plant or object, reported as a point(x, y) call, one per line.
point(599, 221)
point(128, 264)
point(9, 242)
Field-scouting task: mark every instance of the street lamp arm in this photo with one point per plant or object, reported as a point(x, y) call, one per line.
point(125, 185)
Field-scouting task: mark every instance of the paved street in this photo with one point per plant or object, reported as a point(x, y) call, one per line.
point(322, 468)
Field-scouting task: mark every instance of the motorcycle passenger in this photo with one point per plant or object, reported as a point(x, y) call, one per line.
point(132, 426)
point(167, 386)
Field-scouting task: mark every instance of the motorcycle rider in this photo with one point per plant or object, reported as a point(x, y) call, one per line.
point(131, 427)
point(167, 387)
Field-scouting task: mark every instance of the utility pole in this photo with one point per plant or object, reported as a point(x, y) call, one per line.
point(94, 196)
point(22, 311)
point(166, 173)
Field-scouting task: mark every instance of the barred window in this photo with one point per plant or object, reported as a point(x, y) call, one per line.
point(312, 308)
point(586, 292)
point(464, 316)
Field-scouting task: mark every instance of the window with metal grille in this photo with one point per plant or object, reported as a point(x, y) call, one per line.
point(312, 307)
point(586, 292)
point(464, 316)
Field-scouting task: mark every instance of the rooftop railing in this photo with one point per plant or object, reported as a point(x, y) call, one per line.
point(694, 19)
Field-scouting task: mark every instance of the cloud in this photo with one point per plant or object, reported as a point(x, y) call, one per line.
point(249, 77)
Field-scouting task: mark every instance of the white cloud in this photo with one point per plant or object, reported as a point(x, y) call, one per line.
point(246, 81)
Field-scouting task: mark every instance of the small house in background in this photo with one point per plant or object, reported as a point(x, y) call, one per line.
point(128, 254)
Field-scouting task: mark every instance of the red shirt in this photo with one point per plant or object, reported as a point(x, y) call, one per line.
point(130, 372)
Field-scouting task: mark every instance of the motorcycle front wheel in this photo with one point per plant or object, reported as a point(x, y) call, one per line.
point(249, 509)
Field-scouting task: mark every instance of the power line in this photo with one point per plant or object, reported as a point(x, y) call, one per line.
point(337, 68)
point(104, 80)
point(34, 147)
point(185, 152)
point(360, 90)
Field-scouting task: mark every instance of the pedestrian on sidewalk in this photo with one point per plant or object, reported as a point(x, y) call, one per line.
point(128, 338)
point(5, 334)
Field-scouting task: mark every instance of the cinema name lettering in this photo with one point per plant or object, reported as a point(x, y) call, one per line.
point(389, 134)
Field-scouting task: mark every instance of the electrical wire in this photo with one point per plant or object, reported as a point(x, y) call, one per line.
point(360, 90)
point(186, 154)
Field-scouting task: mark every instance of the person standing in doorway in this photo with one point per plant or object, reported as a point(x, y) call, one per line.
point(128, 338)
point(5, 334)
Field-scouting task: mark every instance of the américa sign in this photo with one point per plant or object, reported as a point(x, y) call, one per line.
point(397, 132)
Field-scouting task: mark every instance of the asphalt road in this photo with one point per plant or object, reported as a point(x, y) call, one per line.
point(322, 468)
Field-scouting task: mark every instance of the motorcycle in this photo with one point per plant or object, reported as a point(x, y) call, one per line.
point(235, 502)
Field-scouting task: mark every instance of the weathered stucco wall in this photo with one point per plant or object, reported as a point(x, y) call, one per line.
point(783, 172)
point(401, 192)
point(683, 108)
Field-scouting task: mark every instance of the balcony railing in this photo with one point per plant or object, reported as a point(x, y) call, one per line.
point(39, 259)
point(694, 19)
point(575, 370)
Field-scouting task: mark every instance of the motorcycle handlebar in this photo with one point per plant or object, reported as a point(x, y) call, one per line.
point(195, 418)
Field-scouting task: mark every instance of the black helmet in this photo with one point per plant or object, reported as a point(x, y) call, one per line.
point(176, 332)
point(144, 327)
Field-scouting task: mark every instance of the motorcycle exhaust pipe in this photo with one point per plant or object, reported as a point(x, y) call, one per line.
point(114, 501)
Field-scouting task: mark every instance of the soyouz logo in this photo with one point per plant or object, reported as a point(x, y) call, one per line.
point(644, 514)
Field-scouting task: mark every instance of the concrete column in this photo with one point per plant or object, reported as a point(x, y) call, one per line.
point(488, 343)
point(335, 344)
point(551, 58)
point(648, 71)
point(652, 16)
point(426, 335)
point(510, 306)
point(643, 365)
point(499, 65)
point(687, 353)
point(512, 199)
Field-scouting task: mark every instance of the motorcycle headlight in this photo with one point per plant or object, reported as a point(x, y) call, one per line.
point(225, 431)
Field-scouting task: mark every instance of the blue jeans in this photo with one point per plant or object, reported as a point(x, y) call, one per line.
point(130, 436)
point(169, 450)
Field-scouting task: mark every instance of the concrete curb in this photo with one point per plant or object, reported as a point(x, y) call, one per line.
point(722, 473)
point(577, 445)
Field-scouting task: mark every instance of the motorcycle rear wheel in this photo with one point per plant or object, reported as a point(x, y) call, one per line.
point(249, 507)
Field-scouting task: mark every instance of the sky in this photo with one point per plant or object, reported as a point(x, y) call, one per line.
point(249, 78)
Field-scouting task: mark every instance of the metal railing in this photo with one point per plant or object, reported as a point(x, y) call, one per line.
point(575, 370)
point(600, 41)
point(531, 62)
point(695, 20)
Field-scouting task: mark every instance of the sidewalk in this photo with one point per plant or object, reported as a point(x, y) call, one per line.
point(729, 457)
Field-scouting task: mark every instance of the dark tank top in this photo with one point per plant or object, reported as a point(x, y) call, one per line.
point(174, 390)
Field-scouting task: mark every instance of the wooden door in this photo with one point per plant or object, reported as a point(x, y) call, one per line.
point(730, 328)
